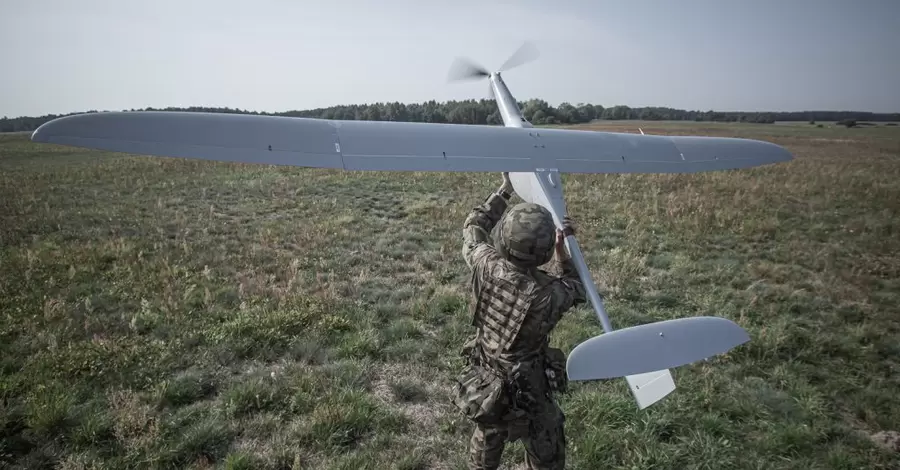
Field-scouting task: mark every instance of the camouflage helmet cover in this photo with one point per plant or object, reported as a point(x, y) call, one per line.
point(527, 235)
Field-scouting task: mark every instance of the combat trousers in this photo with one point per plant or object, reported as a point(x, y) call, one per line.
point(543, 435)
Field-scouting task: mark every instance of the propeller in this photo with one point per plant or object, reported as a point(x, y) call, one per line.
point(465, 69)
point(524, 54)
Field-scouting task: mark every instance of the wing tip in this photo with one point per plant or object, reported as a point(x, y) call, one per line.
point(42, 134)
point(45, 132)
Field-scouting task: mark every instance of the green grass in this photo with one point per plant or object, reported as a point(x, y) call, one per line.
point(159, 313)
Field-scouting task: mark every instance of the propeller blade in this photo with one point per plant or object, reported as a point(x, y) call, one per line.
point(524, 54)
point(464, 69)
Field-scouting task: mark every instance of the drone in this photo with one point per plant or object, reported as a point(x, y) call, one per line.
point(534, 158)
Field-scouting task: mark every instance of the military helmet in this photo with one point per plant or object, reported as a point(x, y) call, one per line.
point(526, 235)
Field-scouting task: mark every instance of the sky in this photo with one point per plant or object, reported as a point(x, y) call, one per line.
point(64, 56)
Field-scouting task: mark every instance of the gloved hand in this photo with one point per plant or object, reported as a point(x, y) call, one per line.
point(507, 184)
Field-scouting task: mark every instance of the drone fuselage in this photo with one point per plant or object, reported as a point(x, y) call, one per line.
point(506, 104)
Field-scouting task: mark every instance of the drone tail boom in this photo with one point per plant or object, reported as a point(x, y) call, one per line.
point(642, 354)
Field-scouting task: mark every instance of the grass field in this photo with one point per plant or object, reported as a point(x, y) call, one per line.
point(159, 313)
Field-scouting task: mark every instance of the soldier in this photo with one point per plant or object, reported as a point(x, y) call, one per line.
point(508, 385)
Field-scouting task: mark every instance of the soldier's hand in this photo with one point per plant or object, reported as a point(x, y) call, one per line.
point(568, 226)
point(507, 185)
point(568, 229)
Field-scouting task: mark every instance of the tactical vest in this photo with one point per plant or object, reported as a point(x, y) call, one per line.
point(533, 337)
point(500, 305)
point(497, 388)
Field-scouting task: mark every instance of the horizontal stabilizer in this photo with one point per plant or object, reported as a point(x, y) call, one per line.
point(653, 347)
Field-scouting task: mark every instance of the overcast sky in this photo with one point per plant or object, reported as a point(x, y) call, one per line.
point(65, 56)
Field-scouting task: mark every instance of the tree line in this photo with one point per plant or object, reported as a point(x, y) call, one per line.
point(484, 111)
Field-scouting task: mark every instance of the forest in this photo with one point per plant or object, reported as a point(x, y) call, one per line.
point(484, 111)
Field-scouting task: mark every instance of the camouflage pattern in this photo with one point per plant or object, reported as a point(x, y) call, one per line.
point(543, 436)
point(527, 234)
point(508, 385)
point(503, 298)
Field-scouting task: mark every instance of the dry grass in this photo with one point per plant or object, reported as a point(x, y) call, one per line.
point(173, 313)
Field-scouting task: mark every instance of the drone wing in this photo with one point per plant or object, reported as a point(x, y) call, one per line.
point(399, 146)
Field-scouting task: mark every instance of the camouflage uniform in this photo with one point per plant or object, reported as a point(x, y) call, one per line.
point(511, 374)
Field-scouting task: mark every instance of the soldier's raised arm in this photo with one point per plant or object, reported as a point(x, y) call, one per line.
point(568, 290)
point(479, 223)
